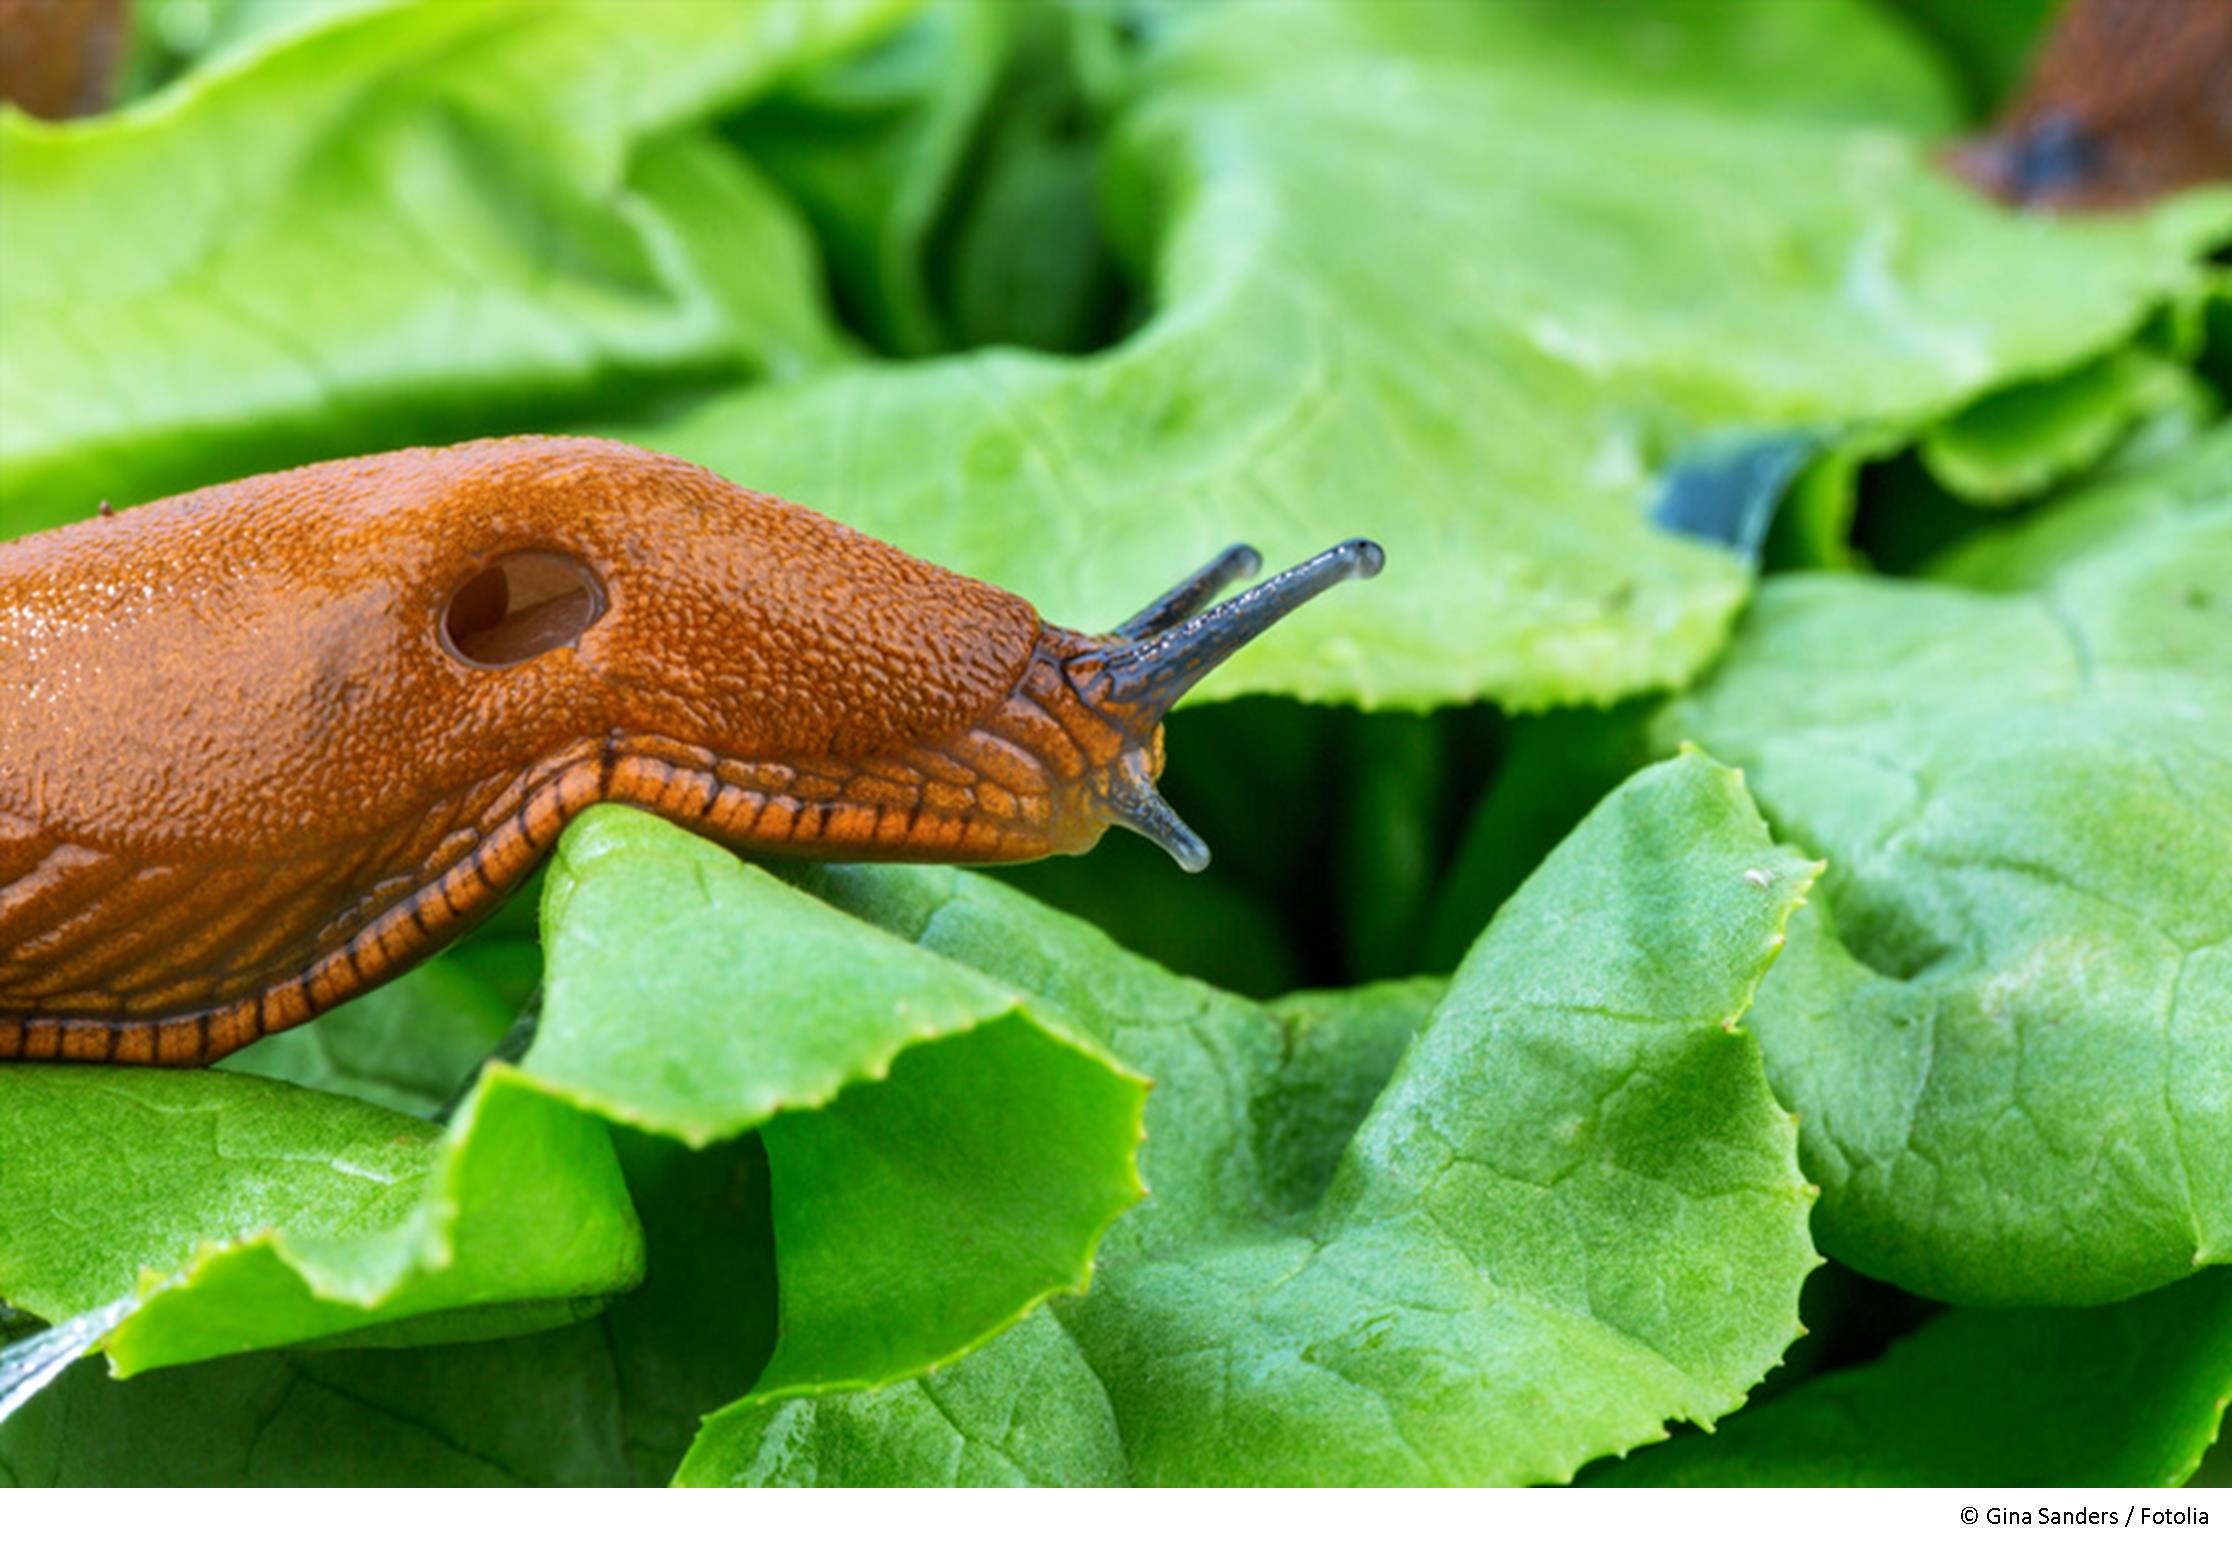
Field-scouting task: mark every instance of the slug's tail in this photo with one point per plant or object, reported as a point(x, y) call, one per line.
point(1162, 653)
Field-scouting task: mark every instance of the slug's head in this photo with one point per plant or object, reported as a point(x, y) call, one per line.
point(1114, 689)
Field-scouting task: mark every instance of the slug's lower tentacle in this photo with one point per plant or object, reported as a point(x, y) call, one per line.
point(1132, 801)
point(1195, 591)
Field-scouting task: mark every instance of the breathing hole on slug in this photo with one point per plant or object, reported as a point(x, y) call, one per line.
point(519, 606)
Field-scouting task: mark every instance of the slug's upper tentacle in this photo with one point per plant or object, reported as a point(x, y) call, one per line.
point(1147, 676)
point(1195, 591)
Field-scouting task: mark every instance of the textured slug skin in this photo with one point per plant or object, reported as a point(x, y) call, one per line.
point(243, 778)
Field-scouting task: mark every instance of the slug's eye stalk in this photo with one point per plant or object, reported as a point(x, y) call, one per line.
point(1150, 674)
point(1195, 591)
point(1159, 656)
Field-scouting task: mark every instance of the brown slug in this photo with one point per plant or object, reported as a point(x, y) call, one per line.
point(2127, 101)
point(61, 58)
point(266, 745)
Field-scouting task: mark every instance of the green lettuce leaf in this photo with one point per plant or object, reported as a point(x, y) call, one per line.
point(2127, 1395)
point(2008, 1027)
point(1025, 1411)
point(2023, 440)
point(529, 1411)
point(1564, 1213)
point(476, 217)
point(231, 1213)
point(875, 149)
point(602, 1404)
point(944, 1156)
point(1396, 290)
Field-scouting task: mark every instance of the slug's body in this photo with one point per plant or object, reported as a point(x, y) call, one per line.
point(267, 745)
